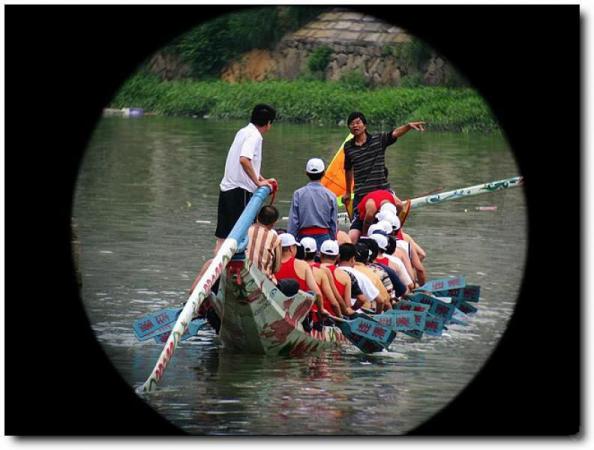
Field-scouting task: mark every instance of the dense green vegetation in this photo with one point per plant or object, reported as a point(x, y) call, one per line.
point(454, 109)
point(208, 47)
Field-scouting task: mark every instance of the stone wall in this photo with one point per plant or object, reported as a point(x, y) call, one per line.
point(359, 43)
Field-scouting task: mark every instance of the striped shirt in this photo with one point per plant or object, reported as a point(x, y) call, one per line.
point(264, 249)
point(368, 163)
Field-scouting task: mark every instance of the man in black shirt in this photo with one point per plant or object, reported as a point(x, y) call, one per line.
point(364, 159)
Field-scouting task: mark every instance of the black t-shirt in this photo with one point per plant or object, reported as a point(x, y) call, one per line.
point(368, 163)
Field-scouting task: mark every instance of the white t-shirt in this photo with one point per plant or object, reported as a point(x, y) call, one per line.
point(404, 245)
point(248, 143)
point(366, 285)
point(402, 272)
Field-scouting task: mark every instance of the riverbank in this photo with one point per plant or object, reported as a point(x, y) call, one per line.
point(445, 109)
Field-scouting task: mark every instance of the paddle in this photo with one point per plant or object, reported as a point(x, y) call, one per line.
point(442, 284)
point(434, 326)
point(455, 194)
point(193, 328)
point(204, 285)
point(467, 308)
point(367, 335)
point(401, 320)
point(469, 293)
point(437, 307)
point(147, 326)
point(459, 318)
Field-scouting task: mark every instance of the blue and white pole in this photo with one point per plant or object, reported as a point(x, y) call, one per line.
point(202, 290)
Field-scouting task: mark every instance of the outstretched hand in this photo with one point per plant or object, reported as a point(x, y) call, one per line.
point(419, 126)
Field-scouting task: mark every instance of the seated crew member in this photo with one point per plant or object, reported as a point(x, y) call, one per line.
point(264, 246)
point(323, 277)
point(295, 269)
point(370, 293)
point(314, 210)
point(341, 280)
point(393, 270)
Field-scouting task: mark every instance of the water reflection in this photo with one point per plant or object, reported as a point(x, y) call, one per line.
point(145, 209)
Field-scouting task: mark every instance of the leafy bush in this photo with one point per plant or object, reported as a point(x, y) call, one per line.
point(412, 55)
point(454, 109)
point(319, 59)
point(412, 81)
point(208, 47)
point(354, 79)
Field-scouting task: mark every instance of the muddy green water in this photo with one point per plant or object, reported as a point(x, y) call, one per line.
point(145, 209)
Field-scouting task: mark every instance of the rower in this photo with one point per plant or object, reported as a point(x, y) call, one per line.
point(397, 273)
point(323, 278)
point(363, 292)
point(295, 269)
point(340, 279)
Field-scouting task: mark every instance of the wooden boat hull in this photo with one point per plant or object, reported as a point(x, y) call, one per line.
point(256, 317)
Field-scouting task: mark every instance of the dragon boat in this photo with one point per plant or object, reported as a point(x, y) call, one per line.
point(256, 317)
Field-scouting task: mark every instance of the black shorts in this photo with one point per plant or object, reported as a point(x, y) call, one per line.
point(356, 223)
point(231, 205)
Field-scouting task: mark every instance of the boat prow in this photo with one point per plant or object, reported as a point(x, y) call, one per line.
point(258, 318)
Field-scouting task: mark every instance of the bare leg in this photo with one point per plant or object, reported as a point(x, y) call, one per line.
point(202, 270)
point(218, 245)
point(354, 235)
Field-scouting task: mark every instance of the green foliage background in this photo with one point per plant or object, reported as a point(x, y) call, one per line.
point(455, 109)
point(211, 45)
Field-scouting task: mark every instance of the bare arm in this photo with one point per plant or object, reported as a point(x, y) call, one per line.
point(422, 254)
point(418, 265)
point(246, 164)
point(348, 176)
point(406, 260)
point(278, 253)
point(401, 131)
point(312, 285)
point(327, 290)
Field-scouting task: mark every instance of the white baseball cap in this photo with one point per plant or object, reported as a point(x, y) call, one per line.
point(287, 240)
point(389, 217)
point(389, 207)
point(309, 244)
point(374, 228)
point(382, 241)
point(329, 247)
point(315, 165)
point(384, 226)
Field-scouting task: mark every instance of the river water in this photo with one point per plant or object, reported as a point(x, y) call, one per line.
point(145, 214)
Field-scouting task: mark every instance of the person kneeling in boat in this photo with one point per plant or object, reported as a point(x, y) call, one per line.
point(374, 202)
point(331, 298)
point(297, 270)
point(314, 210)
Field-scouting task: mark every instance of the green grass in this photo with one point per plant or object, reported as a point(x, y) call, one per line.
point(447, 109)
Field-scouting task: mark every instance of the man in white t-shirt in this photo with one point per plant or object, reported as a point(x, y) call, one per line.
point(242, 171)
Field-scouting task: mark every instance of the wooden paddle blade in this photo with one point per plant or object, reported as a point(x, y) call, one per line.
point(406, 205)
point(434, 326)
point(361, 342)
point(372, 330)
point(401, 320)
point(442, 284)
point(145, 327)
point(469, 293)
point(192, 330)
point(467, 308)
point(437, 307)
